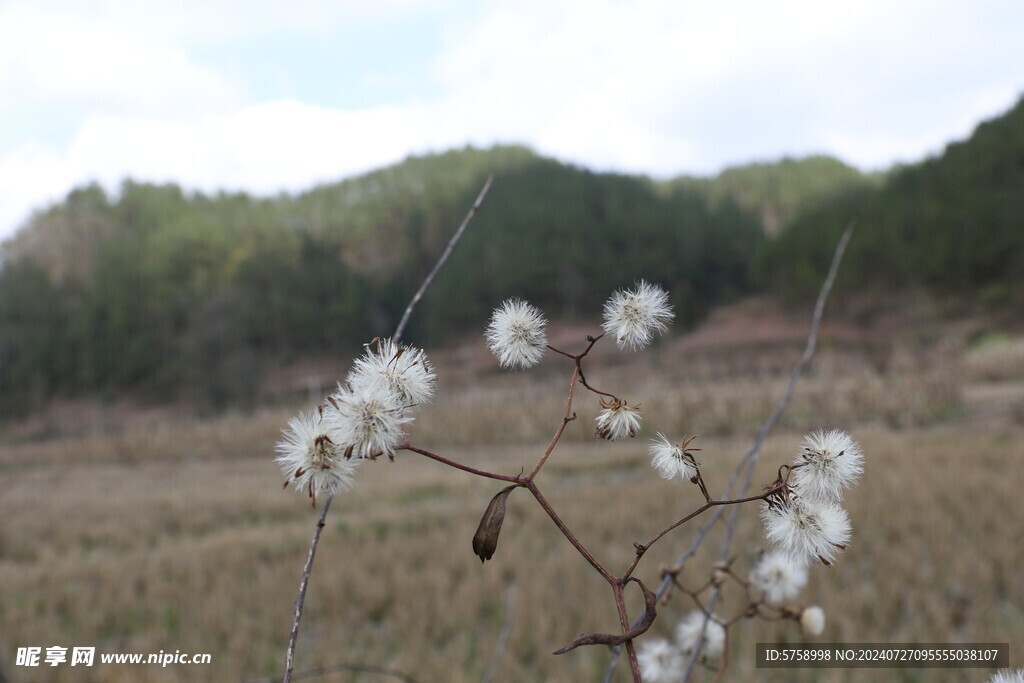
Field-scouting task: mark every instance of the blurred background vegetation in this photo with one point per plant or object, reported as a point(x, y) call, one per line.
point(166, 295)
point(128, 521)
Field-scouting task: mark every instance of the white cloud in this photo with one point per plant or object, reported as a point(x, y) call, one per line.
point(668, 87)
point(263, 148)
point(89, 62)
point(653, 86)
point(30, 178)
point(105, 70)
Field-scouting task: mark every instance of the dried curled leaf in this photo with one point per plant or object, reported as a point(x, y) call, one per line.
point(485, 540)
point(616, 639)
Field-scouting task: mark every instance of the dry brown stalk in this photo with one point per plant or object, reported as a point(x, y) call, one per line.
point(304, 582)
point(617, 583)
point(746, 464)
point(485, 541)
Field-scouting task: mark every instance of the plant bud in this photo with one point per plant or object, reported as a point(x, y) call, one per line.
point(485, 540)
point(718, 577)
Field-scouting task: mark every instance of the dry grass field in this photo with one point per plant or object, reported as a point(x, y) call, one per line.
point(164, 533)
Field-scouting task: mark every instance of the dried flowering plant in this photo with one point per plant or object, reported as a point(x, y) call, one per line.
point(371, 413)
point(702, 635)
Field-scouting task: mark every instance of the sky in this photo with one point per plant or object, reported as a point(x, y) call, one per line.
point(268, 96)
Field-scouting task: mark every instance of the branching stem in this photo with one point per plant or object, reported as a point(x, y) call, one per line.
point(459, 466)
point(566, 419)
point(618, 584)
point(569, 535)
point(304, 582)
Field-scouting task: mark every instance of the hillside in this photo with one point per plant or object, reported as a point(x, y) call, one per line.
point(951, 225)
point(167, 295)
point(170, 295)
point(778, 192)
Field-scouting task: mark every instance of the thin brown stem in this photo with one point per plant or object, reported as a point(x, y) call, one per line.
point(615, 639)
point(499, 648)
point(515, 479)
point(618, 590)
point(748, 460)
point(301, 599)
point(725, 658)
point(569, 535)
point(703, 488)
point(566, 419)
point(444, 257)
point(591, 340)
point(578, 357)
point(643, 548)
point(583, 381)
point(561, 352)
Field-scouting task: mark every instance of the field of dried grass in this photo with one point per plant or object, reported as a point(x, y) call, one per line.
point(174, 534)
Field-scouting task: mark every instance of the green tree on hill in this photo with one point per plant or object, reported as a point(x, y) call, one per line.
point(951, 224)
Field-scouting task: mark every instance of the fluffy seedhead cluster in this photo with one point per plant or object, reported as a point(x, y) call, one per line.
point(665, 661)
point(801, 510)
point(617, 420)
point(804, 517)
point(632, 316)
point(369, 413)
point(516, 334)
point(310, 457)
point(365, 418)
point(774, 581)
point(803, 520)
point(673, 460)
point(776, 578)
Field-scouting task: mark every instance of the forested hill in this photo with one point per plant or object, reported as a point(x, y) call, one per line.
point(953, 224)
point(780, 191)
point(167, 294)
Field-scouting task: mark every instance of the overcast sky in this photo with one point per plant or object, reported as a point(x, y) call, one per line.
point(265, 95)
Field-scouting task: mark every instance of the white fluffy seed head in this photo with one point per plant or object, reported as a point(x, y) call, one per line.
point(828, 463)
point(806, 529)
point(632, 316)
point(688, 632)
point(660, 661)
point(669, 460)
point(776, 578)
point(312, 457)
point(812, 621)
point(1007, 676)
point(405, 370)
point(516, 334)
point(369, 419)
point(617, 420)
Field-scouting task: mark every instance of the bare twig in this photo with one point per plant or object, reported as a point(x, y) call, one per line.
point(566, 419)
point(459, 466)
point(304, 583)
point(746, 464)
point(290, 656)
point(643, 548)
point(569, 535)
point(506, 629)
point(750, 459)
point(444, 257)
